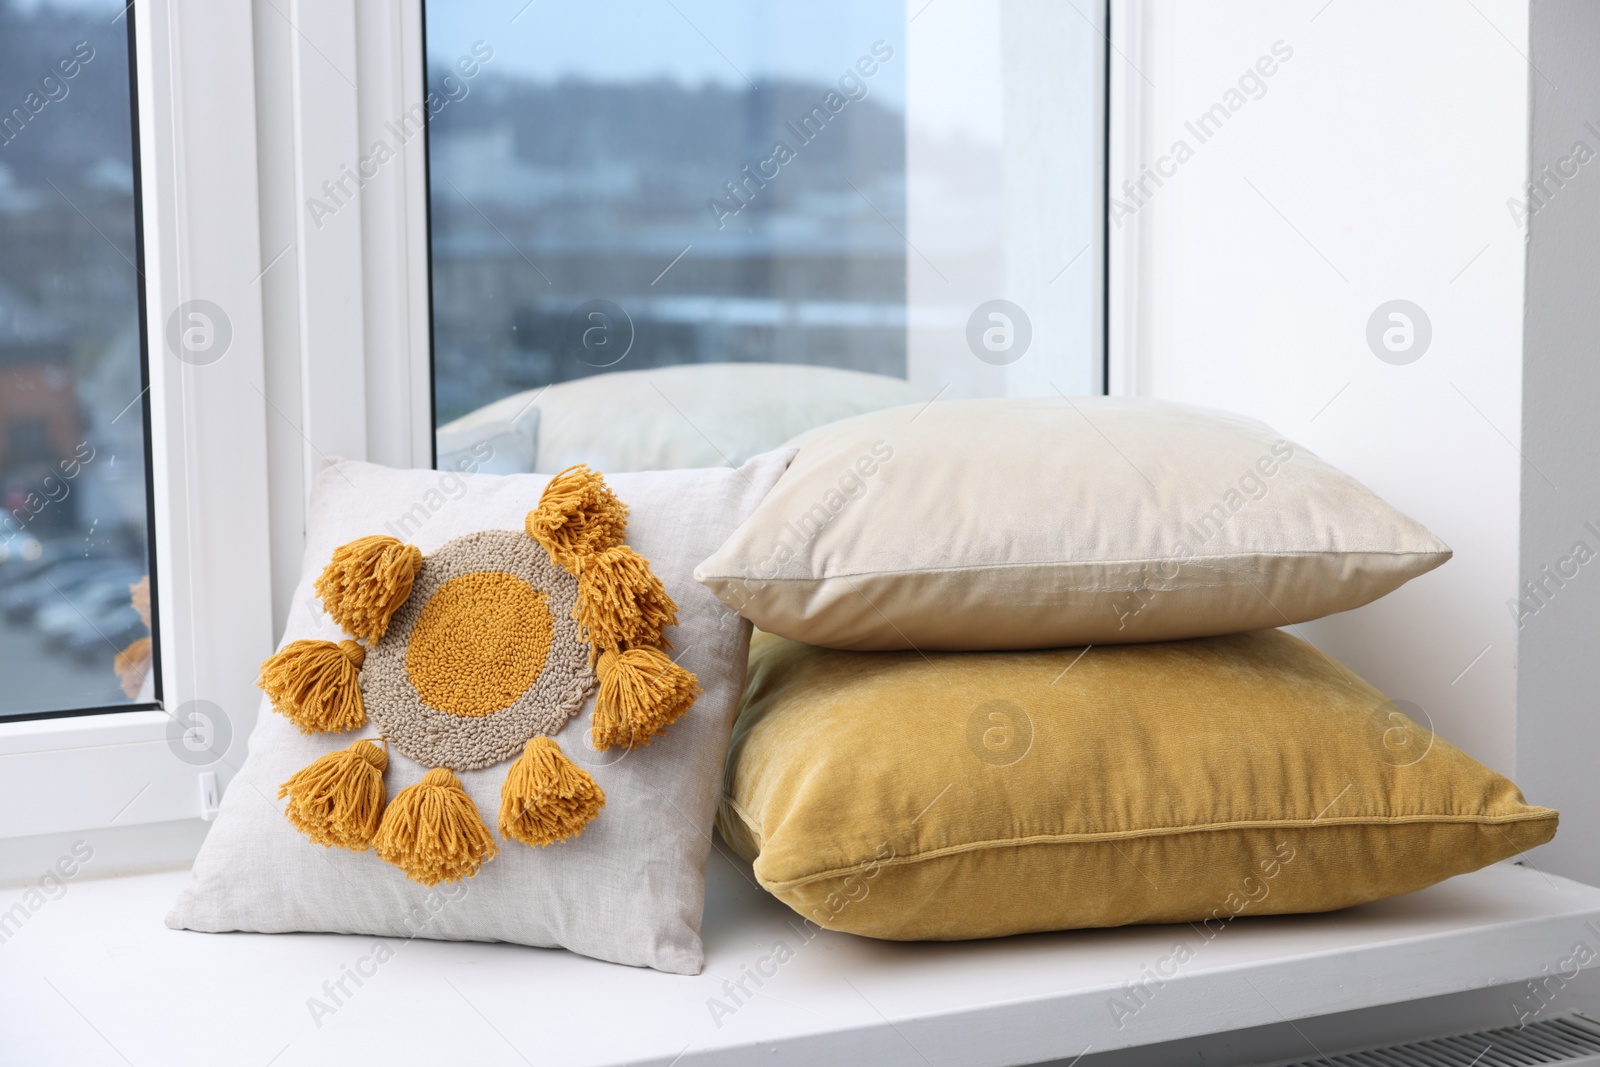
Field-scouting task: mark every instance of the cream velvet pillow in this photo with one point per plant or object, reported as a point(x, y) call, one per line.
point(1019, 523)
point(960, 795)
point(630, 886)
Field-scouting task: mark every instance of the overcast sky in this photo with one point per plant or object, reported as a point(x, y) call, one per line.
point(691, 41)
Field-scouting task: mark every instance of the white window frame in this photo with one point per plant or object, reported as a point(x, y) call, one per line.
point(1123, 244)
point(116, 777)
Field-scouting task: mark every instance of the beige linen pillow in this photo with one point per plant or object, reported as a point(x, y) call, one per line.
point(630, 887)
point(1022, 523)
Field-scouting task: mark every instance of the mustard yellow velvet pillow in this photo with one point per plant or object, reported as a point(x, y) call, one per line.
point(975, 794)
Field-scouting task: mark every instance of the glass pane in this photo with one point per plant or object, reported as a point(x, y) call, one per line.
point(75, 596)
point(679, 234)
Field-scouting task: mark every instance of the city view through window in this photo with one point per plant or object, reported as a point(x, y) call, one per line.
point(75, 598)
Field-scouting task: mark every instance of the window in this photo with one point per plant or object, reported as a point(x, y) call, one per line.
point(672, 234)
point(132, 264)
point(76, 601)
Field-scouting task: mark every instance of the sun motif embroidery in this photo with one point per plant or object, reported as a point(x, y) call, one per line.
point(475, 655)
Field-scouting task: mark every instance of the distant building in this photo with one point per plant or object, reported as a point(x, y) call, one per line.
point(40, 419)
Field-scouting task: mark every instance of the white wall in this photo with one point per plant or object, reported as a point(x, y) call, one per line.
point(1376, 166)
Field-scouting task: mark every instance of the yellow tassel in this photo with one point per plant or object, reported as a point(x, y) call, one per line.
point(621, 602)
point(433, 832)
point(547, 798)
point(577, 516)
point(139, 596)
point(642, 692)
point(317, 685)
point(366, 582)
point(338, 800)
point(132, 664)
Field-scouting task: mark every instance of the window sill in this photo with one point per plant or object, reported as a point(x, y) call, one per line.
point(246, 998)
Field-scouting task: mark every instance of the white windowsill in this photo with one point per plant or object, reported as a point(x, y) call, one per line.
point(121, 984)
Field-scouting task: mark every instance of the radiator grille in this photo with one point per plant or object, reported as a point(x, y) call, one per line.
point(1569, 1040)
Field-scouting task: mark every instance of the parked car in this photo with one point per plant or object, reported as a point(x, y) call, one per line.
point(16, 566)
point(111, 633)
point(87, 607)
point(23, 600)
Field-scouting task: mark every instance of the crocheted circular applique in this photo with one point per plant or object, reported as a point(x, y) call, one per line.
point(483, 655)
